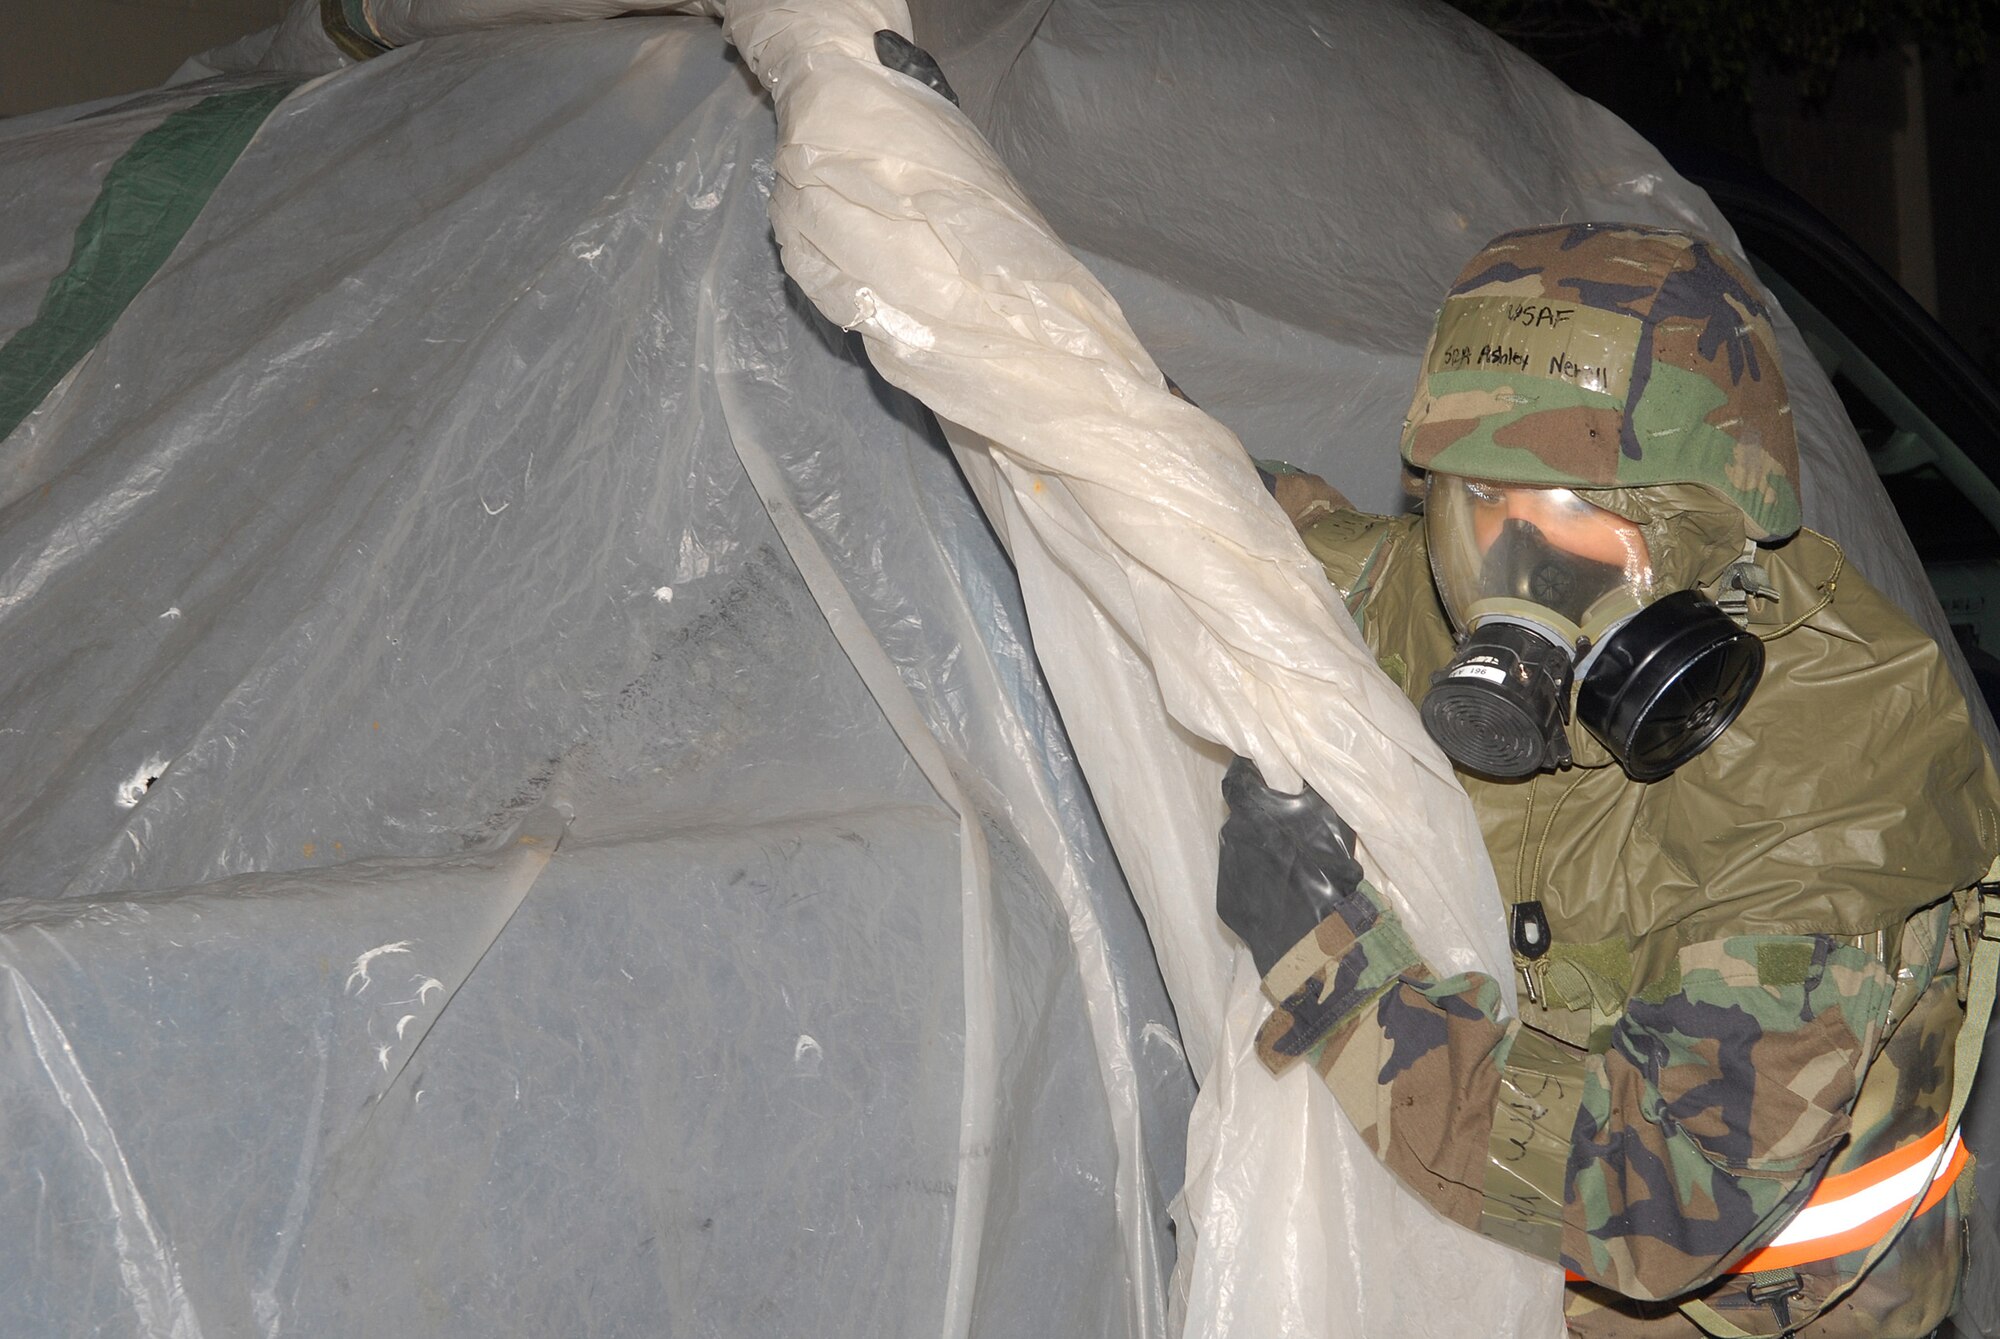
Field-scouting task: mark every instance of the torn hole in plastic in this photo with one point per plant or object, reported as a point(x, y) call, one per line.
point(134, 788)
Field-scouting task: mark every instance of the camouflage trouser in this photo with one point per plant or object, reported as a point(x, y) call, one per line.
point(1912, 1288)
point(1907, 1295)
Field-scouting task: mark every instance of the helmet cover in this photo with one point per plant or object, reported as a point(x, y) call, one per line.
point(1607, 355)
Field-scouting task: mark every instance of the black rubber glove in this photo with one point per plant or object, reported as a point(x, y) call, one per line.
point(1287, 863)
point(903, 56)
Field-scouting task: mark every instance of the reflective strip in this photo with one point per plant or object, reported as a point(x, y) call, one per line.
point(1846, 1183)
point(1851, 1211)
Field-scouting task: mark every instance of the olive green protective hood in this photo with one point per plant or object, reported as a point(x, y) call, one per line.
point(1852, 790)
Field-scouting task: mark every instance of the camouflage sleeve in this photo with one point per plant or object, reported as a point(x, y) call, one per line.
point(1416, 1063)
point(1648, 1167)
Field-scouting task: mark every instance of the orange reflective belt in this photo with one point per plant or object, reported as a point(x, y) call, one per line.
point(1852, 1210)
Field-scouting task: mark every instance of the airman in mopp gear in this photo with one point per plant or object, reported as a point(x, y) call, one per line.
point(1733, 797)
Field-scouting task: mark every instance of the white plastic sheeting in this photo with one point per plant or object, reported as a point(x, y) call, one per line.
point(537, 251)
point(402, 520)
point(1175, 609)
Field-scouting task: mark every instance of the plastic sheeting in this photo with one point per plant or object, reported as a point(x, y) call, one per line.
point(401, 519)
point(432, 530)
point(1176, 610)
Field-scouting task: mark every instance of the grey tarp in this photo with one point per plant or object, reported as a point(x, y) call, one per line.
point(401, 521)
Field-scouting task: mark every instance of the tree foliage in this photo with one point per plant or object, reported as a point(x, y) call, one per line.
point(1720, 44)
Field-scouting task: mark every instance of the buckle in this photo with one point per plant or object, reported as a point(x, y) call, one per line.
point(1781, 1288)
point(1745, 583)
point(1988, 889)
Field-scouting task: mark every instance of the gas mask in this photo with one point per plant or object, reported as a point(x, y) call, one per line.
point(1555, 600)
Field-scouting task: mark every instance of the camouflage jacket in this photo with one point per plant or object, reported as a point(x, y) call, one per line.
point(1753, 984)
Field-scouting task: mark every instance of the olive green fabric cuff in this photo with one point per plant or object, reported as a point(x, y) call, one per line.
point(1527, 1158)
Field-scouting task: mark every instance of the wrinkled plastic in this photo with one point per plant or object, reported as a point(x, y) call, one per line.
point(40, 222)
point(525, 457)
point(1183, 587)
point(405, 517)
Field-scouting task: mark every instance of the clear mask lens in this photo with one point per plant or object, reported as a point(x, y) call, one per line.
point(1536, 553)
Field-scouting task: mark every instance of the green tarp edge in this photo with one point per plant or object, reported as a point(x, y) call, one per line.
point(150, 198)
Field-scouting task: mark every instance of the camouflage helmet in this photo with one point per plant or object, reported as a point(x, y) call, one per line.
point(1609, 355)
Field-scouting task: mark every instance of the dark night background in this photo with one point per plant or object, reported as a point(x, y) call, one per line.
point(1882, 114)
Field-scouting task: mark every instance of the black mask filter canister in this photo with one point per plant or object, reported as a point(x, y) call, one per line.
point(1657, 690)
point(1498, 708)
point(1665, 684)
